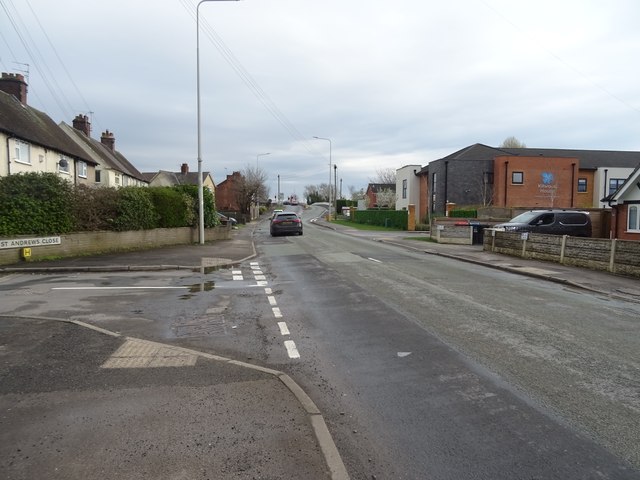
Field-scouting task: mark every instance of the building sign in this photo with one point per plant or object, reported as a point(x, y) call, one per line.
point(30, 242)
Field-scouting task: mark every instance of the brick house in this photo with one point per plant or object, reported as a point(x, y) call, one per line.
point(480, 175)
point(625, 205)
point(227, 193)
point(372, 193)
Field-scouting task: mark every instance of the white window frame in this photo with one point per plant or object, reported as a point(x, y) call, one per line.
point(633, 213)
point(404, 188)
point(82, 169)
point(22, 152)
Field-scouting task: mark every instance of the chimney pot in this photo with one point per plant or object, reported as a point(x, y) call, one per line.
point(184, 168)
point(14, 84)
point(82, 123)
point(108, 140)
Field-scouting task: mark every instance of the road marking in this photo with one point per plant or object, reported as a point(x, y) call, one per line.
point(403, 354)
point(262, 284)
point(120, 288)
point(260, 277)
point(258, 272)
point(284, 330)
point(291, 349)
point(268, 291)
point(142, 354)
point(373, 260)
point(238, 277)
point(236, 272)
point(254, 263)
point(272, 301)
point(276, 312)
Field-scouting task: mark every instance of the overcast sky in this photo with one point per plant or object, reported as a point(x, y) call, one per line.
point(390, 83)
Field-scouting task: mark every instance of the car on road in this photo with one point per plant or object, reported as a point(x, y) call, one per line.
point(553, 222)
point(285, 223)
point(226, 220)
point(275, 212)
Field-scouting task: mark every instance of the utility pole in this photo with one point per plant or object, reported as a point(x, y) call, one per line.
point(278, 200)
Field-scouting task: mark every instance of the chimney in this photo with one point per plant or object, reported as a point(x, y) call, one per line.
point(184, 168)
point(108, 140)
point(14, 84)
point(82, 123)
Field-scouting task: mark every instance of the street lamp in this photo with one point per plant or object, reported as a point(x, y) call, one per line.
point(330, 204)
point(257, 175)
point(200, 186)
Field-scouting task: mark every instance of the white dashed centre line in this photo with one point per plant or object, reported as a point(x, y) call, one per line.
point(272, 301)
point(284, 330)
point(276, 312)
point(261, 277)
point(268, 291)
point(374, 260)
point(292, 350)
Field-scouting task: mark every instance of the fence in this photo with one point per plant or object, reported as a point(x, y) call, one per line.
point(615, 256)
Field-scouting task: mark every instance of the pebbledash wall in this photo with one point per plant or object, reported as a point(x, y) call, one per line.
point(615, 256)
point(91, 243)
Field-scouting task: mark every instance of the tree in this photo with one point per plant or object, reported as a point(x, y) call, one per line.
point(356, 195)
point(251, 188)
point(385, 175)
point(386, 198)
point(316, 193)
point(512, 142)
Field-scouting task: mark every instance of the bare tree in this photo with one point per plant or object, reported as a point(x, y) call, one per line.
point(512, 142)
point(252, 188)
point(384, 175)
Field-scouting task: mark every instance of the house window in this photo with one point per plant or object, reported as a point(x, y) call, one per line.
point(615, 184)
point(117, 179)
point(517, 178)
point(63, 164)
point(582, 185)
point(404, 188)
point(82, 169)
point(98, 172)
point(22, 152)
point(633, 219)
point(125, 181)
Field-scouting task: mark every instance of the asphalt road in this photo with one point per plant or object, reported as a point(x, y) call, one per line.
point(432, 368)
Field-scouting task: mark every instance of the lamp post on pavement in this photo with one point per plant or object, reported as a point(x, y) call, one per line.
point(200, 186)
point(330, 204)
point(257, 173)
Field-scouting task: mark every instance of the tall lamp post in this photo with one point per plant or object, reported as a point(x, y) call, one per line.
point(200, 186)
point(258, 191)
point(330, 204)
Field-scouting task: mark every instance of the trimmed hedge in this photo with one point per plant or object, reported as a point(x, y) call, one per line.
point(46, 204)
point(385, 218)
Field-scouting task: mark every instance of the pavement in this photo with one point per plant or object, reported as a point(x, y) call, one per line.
point(235, 251)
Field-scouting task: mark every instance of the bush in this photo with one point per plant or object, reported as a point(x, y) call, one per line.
point(463, 213)
point(134, 210)
point(175, 208)
point(35, 204)
point(94, 208)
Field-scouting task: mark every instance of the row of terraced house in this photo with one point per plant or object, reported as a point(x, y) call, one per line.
point(33, 142)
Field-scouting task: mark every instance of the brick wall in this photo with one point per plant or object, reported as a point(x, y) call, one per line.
point(92, 243)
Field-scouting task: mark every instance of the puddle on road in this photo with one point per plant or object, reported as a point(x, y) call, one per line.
point(198, 287)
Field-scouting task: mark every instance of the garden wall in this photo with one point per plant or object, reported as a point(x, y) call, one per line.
point(93, 243)
point(615, 256)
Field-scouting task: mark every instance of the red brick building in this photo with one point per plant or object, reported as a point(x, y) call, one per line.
point(227, 193)
point(545, 182)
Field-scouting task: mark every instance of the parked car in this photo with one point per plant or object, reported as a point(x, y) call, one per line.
point(553, 222)
point(225, 220)
point(284, 223)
